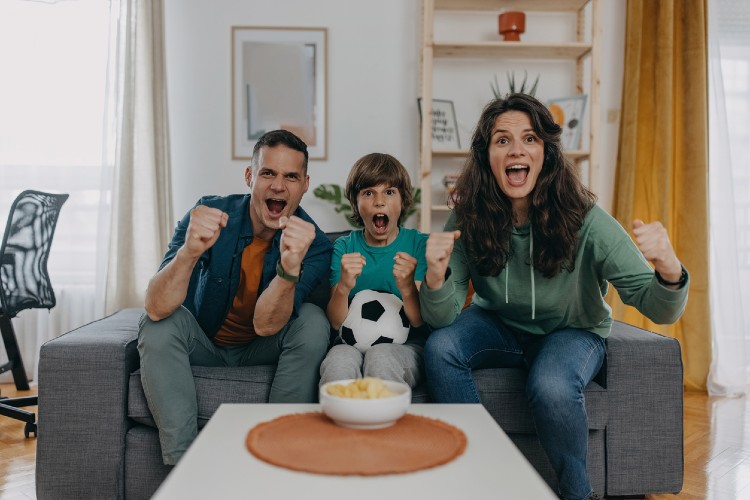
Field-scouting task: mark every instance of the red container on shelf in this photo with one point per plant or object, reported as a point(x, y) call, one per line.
point(511, 24)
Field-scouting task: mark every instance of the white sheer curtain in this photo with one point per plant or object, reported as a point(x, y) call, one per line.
point(84, 112)
point(137, 148)
point(729, 169)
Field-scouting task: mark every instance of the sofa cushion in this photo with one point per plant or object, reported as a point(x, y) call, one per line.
point(144, 469)
point(214, 386)
point(320, 294)
point(502, 391)
point(217, 385)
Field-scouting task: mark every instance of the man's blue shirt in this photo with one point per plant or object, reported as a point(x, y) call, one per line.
point(216, 276)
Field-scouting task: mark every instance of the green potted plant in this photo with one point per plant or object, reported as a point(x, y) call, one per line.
point(512, 85)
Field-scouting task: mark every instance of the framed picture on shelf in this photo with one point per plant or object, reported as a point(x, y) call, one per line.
point(269, 96)
point(568, 113)
point(444, 125)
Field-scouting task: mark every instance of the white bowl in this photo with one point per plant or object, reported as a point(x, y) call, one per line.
point(366, 413)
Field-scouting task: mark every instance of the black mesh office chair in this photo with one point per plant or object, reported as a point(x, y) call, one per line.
point(25, 284)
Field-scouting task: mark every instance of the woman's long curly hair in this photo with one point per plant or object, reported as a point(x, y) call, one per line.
point(558, 204)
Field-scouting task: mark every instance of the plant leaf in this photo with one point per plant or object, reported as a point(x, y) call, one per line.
point(496, 88)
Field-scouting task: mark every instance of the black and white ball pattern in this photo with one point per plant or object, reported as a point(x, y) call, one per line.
point(374, 318)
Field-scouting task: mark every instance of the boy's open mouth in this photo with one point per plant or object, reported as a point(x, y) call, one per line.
point(517, 174)
point(275, 206)
point(380, 223)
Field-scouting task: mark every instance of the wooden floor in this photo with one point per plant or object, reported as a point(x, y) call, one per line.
point(17, 454)
point(717, 451)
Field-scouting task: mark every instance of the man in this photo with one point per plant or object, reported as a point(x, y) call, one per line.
point(230, 292)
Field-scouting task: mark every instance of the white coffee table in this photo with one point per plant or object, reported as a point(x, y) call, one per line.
point(218, 465)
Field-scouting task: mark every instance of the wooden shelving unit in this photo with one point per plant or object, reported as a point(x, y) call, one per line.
point(519, 50)
point(577, 50)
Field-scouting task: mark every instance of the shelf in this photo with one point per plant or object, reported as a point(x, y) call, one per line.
point(583, 50)
point(575, 154)
point(525, 5)
point(441, 208)
point(526, 50)
point(451, 153)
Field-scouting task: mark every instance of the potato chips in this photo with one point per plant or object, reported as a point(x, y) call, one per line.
point(363, 388)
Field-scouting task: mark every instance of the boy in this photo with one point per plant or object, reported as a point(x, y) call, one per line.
point(382, 256)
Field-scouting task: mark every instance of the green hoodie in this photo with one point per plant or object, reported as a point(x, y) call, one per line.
point(528, 302)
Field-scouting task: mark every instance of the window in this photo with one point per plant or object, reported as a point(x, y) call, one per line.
point(729, 187)
point(52, 93)
point(735, 69)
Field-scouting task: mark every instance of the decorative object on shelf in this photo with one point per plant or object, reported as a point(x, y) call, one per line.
point(511, 24)
point(512, 85)
point(444, 125)
point(568, 113)
point(260, 104)
point(449, 181)
point(335, 194)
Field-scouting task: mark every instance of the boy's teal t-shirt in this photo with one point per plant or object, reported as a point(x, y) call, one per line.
point(378, 271)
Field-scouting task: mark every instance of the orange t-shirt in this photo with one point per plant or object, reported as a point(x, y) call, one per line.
point(238, 325)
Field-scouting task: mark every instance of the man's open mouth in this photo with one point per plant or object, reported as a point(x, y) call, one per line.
point(275, 206)
point(517, 174)
point(380, 223)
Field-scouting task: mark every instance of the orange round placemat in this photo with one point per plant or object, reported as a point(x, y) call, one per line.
point(311, 442)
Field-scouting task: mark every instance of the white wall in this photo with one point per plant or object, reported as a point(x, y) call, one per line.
point(612, 59)
point(373, 80)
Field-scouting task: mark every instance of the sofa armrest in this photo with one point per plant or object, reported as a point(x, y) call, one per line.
point(645, 429)
point(83, 388)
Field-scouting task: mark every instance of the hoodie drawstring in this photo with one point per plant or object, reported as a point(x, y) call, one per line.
point(506, 284)
point(531, 267)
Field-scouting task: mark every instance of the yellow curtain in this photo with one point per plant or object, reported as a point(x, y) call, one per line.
point(662, 169)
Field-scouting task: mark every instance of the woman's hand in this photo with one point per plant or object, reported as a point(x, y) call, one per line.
point(438, 255)
point(654, 243)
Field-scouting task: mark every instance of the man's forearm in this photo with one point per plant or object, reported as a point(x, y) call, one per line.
point(274, 307)
point(168, 288)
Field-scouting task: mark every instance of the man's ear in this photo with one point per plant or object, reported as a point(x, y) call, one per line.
point(249, 176)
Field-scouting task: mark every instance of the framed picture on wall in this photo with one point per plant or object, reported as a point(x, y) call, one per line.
point(444, 125)
point(279, 82)
point(568, 113)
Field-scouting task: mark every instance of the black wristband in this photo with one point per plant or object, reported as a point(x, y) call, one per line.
point(284, 275)
point(681, 282)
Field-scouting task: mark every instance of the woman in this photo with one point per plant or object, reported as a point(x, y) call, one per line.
point(539, 253)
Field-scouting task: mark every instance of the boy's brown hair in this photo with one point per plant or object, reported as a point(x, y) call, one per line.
point(372, 170)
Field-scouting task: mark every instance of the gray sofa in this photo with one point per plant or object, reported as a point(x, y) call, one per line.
point(97, 440)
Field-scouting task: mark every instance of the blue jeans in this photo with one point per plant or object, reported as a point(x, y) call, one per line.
point(168, 348)
point(560, 365)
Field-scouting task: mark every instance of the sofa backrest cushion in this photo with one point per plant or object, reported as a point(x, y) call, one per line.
point(320, 295)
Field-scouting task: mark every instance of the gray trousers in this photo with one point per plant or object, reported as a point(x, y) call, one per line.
point(399, 362)
point(168, 348)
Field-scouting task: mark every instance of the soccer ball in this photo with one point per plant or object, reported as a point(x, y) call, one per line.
point(374, 318)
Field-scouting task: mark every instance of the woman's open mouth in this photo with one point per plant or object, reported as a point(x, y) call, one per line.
point(517, 174)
